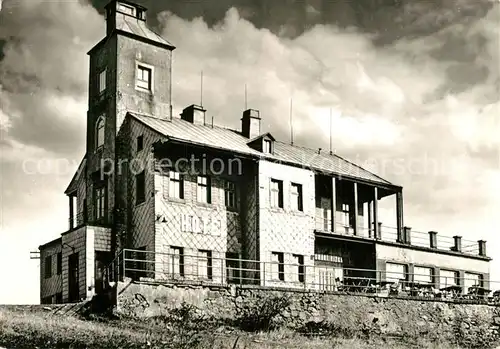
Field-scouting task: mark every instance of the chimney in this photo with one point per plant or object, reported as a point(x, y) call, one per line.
point(407, 235)
point(250, 123)
point(457, 246)
point(194, 114)
point(482, 248)
point(433, 239)
point(117, 10)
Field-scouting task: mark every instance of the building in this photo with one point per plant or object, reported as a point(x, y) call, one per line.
point(166, 197)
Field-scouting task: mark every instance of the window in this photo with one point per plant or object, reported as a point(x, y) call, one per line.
point(176, 185)
point(48, 267)
point(395, 272)
point(299, 264)
point(296, 199)
point(144, 76)
point(268, 146)
point(472, 280)
point(100, 202)
point(99, 134)
point(447, 278)
point(140, 188)
point(276, 193)
point(423, 275)
point(59, 263)
point(203, 190)
point(126, 9)
point(176, 261)
point(278, 266)
point(230, 194)
point(205, 264)
point(102, 81)
point(140, 143)
point(345, 215)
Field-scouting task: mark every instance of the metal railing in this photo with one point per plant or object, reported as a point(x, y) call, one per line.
point(390, 234)
point(82, 218)
point(215, 269)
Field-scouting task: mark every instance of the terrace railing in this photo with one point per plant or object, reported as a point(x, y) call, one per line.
point(407, 236)
point(216, 270)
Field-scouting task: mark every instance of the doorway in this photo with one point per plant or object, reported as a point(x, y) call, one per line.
point(102, 262)
point(73, 276)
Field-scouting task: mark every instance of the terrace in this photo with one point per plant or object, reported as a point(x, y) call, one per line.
point(148, 266)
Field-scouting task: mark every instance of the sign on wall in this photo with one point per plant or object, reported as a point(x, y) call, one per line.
point(200, 225)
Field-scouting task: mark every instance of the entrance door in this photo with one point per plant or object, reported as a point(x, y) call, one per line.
point(73, 276)
point(102, 262)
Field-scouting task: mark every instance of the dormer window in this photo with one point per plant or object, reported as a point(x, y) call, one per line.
point(264, 143)
point(267, 149)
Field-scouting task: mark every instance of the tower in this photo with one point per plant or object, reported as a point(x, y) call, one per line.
point(130, 70)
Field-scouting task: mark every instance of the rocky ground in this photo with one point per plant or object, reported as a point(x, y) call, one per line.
point(58, 327)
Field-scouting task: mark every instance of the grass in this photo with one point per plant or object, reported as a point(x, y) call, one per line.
point(41, 329)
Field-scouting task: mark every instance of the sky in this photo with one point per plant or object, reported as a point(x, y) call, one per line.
point(413, 88)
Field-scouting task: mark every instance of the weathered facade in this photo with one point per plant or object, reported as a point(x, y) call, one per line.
point(191, 201)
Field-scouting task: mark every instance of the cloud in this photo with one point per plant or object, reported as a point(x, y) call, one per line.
point(43, 96)
point(413, 93)
point(422, 115)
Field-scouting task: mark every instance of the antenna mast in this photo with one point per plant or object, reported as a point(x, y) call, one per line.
point(246, 105)
point(201, 90)
point(330, 131)
point(291, 121)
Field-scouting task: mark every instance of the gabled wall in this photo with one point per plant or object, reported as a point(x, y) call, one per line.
point(284, 230)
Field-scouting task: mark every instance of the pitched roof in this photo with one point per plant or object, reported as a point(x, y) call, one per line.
point(138, 27)
point(267, 134)
point(231, 140)
point(73, 185)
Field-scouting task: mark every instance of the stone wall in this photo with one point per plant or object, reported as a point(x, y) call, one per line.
point(466, 324)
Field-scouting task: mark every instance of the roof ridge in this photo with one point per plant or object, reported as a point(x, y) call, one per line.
point(343, 167)
point(179, 119)
point(334, 154)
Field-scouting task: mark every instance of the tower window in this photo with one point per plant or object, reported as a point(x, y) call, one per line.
point(144, 77)
point(140, 188)
point(126, 9)
point(102, 81)
point(99, 132)
point(100, 202)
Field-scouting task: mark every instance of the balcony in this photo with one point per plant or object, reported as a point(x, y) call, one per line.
point(407, 236)
point(82, 218)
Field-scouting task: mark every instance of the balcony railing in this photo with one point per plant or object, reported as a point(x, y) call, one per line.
point(157, 267)
point(82, 218)
point(407, 236)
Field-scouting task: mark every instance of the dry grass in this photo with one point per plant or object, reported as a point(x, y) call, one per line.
point(42, 330)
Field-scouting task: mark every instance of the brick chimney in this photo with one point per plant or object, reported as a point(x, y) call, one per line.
point(250, 123)
point(194, 114)
point(117, 10)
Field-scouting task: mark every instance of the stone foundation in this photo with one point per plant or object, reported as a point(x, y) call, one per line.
point(465, 324)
